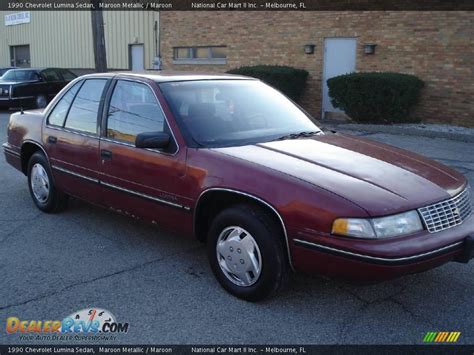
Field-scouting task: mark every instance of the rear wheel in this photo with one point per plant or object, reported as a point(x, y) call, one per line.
point(42, 189)
point(40, 101)
point(247, 253)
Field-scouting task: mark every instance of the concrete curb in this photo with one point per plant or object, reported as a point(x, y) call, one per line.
point(420, 132)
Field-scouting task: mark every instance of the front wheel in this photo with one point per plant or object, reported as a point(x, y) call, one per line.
point(247, 253)
point(42, 189)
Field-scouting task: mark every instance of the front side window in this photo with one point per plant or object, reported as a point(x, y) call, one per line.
point(58, 115)
point(133, 110)
point(84, 110)
point(218, 113)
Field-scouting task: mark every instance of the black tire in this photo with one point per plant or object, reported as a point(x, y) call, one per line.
point(56, 200)
point(41, 101)
point(267, 234)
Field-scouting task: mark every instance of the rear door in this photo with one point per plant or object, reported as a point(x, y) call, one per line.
point(144, 183)
point(72, 140)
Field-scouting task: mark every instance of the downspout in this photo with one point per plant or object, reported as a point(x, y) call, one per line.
point(157, 60)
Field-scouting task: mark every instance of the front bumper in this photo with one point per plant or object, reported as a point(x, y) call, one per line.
point(12, 155)
point(376, 260)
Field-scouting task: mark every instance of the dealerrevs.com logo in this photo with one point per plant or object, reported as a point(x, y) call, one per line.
point(88, 322)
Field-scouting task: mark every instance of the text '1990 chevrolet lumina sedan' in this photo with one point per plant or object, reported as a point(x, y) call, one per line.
point(234, 163)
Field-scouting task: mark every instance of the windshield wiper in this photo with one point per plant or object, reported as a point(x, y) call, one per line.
point(298, 135)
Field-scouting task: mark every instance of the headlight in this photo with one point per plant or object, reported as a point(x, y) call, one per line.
point(384, 227)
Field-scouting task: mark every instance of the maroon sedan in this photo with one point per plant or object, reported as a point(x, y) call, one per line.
point(235, 164)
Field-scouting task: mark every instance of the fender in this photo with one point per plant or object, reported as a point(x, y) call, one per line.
point(30, 141)
point(256, 199)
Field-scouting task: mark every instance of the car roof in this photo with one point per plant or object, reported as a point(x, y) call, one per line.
point(163, 77)
point(27, 69)
point(36, 68)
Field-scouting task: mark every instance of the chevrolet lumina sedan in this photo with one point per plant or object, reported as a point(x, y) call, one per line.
point(237, 165)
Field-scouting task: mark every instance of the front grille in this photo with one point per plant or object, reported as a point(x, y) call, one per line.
point(448, 213)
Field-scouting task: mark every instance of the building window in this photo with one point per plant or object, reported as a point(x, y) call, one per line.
point(20, 56)
point(200, 55)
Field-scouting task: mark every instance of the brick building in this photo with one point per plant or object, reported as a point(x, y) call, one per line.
point(436, 46)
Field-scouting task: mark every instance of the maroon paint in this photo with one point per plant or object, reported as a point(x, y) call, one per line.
point(310, 182)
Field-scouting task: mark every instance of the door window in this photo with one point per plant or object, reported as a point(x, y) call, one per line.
point(84, 110)
point(133, 110)
point(58, 115)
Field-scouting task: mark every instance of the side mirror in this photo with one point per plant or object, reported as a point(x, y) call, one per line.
point(155, 140)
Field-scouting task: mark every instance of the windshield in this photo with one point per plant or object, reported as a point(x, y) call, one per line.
point(3, 71)
point(20, 75)
point(219, 113)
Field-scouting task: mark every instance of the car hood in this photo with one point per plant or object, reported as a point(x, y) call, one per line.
point(379, 178)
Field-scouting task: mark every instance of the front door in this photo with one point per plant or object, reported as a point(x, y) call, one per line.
point(72, 141)
point(339, 59)
point(137, 56)
point(141, 183)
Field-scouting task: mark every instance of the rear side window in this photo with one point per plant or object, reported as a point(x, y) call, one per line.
point(51, 75)
point(83, 113)
point(58, 115)
point(67, 75)
point(133, 110)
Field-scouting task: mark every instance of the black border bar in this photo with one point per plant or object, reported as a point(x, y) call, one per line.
point(239, 349)
point(237, 5)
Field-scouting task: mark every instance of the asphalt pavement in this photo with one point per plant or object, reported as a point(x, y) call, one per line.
point(52, 265)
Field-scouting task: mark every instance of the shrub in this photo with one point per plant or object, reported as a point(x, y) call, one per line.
point(376, 97)
point(288, 80)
